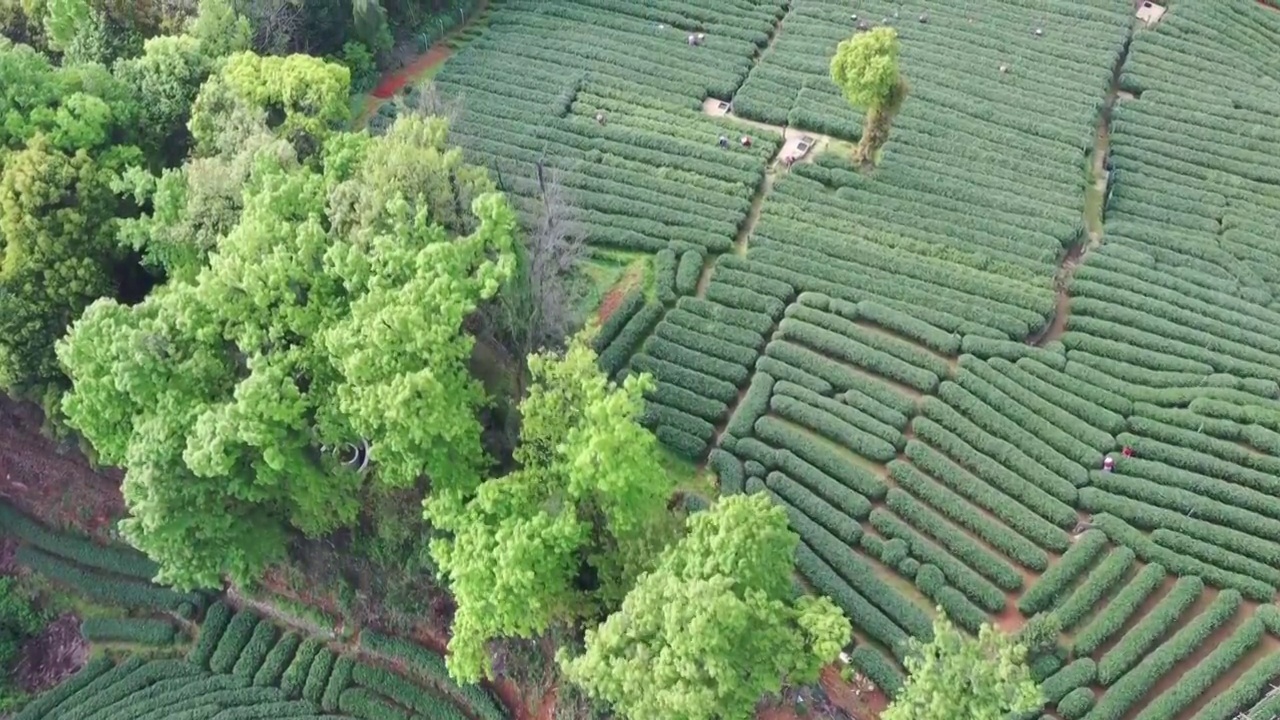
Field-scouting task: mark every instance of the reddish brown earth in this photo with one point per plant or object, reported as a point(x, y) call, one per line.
point(58, 652)
point(392, 83)
point(50, 481)
point(613, 298)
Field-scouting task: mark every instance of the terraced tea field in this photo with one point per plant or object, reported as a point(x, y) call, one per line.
point(926, 365)
point(1070, 246)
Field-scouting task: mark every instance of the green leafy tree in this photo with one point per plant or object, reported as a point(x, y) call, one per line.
point(865, 68)
point(958, 677)
point(563, 535)
point(63, 19)
point(164, 81)
point(320, 320)
point(220, 29)
point(299, 97)
point(714, 627)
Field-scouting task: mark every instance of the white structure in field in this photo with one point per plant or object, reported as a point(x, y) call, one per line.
point(1150, 13)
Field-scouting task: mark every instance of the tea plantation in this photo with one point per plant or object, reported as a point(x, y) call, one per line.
point(1068, 248)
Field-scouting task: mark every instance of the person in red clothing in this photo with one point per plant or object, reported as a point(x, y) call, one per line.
point(1128, 451)
point(746, 141)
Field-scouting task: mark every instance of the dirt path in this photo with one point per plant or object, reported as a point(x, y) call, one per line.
point(1094, 207)
point(393, 81)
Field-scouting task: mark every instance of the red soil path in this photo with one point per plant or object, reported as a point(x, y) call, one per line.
point(392, 82)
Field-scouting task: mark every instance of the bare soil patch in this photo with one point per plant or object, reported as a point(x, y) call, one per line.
point(58, 652)
point(612, 299)
point(53, 481)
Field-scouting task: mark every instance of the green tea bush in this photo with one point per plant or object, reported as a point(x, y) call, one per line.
point(130, 630)
point(821, 455)
point(785, 361)
point(273, 668)
point(813, 508)
point(363, 704)
point(979, 590)
point(431, 666)
point(871, 620)
point(688, 272)
point(1118, 610)
point(833, 428)
point(1136, 644)
point(1080, 673)
point(664, 275)
point(406, 694)
point(754, 404)
point(1076, 703)
point(295, 676)
point(615, 355)
point(728, 470)
point(1195, 682)
point(1096, 586)
point(878, 668)
point(1051, 586)
point(339, 680)
point(233, 641)
point(980, 493)
point(1135, 684)
point(959, 511)
point(55, 697)
point(255, 651)
point(850, 502)
point(318, 676)
point(618, 319)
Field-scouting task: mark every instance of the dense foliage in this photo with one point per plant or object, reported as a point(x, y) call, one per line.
point(563, 536)
point(714, 626)
point(287, 341)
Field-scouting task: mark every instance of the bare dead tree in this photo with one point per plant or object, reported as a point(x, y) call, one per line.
point(432, 101)
point(276, 24)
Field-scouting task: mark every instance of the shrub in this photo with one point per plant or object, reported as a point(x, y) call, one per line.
point(432, 667)
point(239, 631)
point(1118, 610)
point(728, 470)
point(703, 362)
point(277, 661)
point(1054, 582)
point(962, 513)
point(1136, 643)
point(741, 355)
point(656, 414)
point(814, 507)
point(1097, 584)
point(759, 323)
point(128, 684)
point(859, 354)
point(754, 404)
point(215, 624)
point(964, 578)
point(1070, 435)
point(878, 668)
point(618, 319)
point(1247, 688)
point(833, 428)
point(715, 330)
point(980, 493)
point(691, 380)
point(1135, 684)
point(295, 676)
point(1196, 682)
point(82, 550)
point(740, 297)
point(680, 442)
point(318, 676)
point(821, 455)
point(688, 272)
point(1076, 703)
point(255, 651)
point(339, 680)
point(1078, 674)
point(664, 275)
point(140, 631)
point(424, 702)
point(900, 322)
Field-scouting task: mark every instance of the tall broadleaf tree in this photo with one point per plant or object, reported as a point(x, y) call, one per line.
point(714, 627)
point(866, 69)
point(563, 536)
point(959, 677)
point(329, 315)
